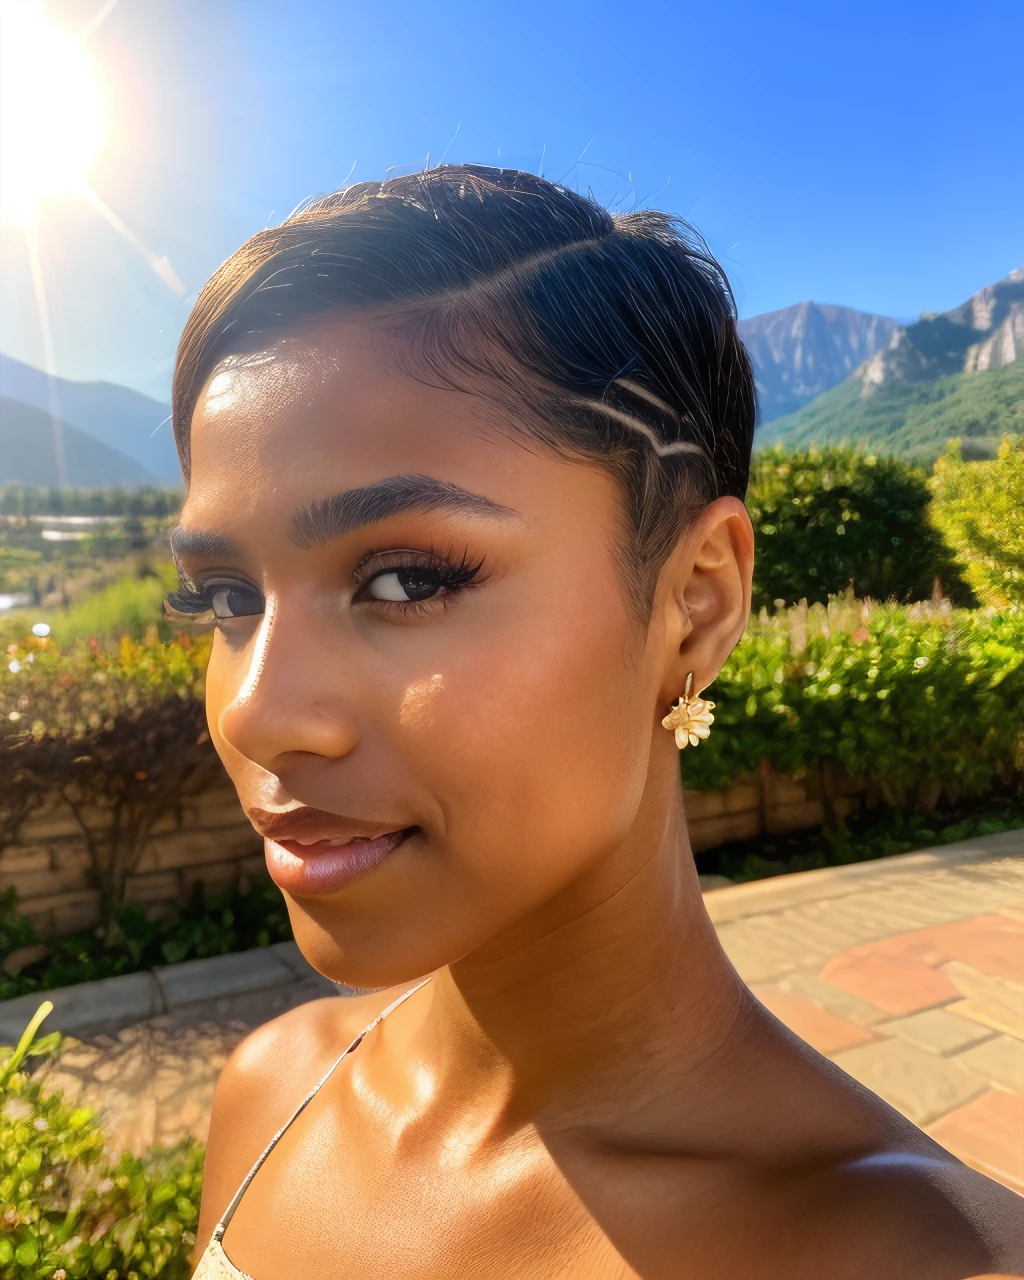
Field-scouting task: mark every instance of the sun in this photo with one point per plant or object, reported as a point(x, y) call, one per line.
point(51, 111)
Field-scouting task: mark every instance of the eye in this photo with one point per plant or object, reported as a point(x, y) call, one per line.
point(232, 600)
point(416, 582)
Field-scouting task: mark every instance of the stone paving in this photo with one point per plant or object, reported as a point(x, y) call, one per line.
point(907, 972)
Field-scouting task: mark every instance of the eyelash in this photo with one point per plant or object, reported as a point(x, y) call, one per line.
point(452, 576)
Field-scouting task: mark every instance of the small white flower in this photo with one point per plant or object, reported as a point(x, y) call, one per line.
point(14, 666)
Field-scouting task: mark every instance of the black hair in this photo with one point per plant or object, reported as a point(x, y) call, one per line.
point(610, 337)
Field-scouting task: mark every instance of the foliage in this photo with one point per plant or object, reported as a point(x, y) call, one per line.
point(118, 733)
point(237, 919)
point(65, 1209)
point(865, 837)
point(912, 420)
point(19, 499)
point(922, 701)
point(979, 507)
point(827, 518)
point(126, 606)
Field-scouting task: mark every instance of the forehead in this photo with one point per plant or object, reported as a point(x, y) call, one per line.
point(337, 408)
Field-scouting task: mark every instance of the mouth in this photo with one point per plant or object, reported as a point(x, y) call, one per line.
point(326, 866)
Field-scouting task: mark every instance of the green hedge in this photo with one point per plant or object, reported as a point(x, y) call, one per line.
point(826, 519)
point(66, 1208)
point(921, 700)
point(979, 508)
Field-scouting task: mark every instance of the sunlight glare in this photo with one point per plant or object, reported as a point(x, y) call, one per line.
point(51, 111)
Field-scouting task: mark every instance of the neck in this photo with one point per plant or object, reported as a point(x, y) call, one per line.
point(618, 980)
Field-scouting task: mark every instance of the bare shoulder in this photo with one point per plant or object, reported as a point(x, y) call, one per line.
point(263, 1082)
point(916, 1214)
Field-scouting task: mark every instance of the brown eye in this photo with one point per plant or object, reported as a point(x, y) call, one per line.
point(405, 585)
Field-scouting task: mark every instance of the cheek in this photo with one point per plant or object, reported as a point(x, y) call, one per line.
point(535, 742)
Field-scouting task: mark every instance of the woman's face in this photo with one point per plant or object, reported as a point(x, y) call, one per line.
point(426, 683)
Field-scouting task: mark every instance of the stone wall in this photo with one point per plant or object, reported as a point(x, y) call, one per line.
point(210, 840)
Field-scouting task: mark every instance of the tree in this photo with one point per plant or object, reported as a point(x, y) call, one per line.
point(979, 508)
point(829, 518)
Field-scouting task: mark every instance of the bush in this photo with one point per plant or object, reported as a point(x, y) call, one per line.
point(65, 1209)
point(126, 606)
point(922, 701)
point(118, 733)
point(208, 925)
point(979, 508)
point(831, 518)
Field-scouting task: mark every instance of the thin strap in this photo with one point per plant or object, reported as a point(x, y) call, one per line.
point(229, 1212)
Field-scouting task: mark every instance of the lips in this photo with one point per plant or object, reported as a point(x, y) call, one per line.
point(325, 867)
point(312, 852)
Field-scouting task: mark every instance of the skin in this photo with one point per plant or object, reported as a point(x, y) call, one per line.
point(586, 1089)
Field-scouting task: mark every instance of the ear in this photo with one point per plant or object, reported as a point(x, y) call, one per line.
point(705, 591)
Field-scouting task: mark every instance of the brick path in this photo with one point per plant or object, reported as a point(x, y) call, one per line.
point(908, 972)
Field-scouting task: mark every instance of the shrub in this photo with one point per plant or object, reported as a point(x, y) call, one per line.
point(65, 1209)
point(118, 733)
point(922, 701)
point(208, 925)
point(830, 518)
point(979, 507)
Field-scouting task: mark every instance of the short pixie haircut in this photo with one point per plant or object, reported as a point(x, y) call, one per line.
point(610, 338)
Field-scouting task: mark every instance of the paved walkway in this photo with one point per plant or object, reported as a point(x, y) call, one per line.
point(908, 972)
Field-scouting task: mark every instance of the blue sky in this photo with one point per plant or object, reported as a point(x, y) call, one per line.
point(870, 154)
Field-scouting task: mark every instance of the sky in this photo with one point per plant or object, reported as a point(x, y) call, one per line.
point(869, 153)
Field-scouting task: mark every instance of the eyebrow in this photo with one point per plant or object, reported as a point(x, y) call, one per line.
point(326, 518)
point(199, 543)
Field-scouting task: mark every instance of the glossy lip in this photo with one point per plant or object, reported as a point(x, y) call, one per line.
point(327, 865)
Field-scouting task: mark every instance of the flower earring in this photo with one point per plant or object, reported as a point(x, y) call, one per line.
point(690, 717)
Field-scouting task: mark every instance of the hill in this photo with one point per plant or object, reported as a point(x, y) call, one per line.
point(911, 419)
point(804, 350)
point(118, 417)
point(959, 373)
point(27, 453)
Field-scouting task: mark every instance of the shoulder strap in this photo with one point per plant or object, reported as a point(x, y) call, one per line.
point(229, 1212)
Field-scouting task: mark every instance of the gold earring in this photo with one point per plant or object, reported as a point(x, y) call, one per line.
point(690, 717)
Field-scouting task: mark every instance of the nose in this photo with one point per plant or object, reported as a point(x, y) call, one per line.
point(288, 698)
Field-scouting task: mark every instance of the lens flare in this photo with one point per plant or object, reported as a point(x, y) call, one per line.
point(51, 111)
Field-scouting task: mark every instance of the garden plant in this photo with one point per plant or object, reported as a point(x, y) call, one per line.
point(68, 1211)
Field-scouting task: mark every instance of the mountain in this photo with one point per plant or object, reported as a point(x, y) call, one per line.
point(958, 373)
point(125, 420)
point(27, 453)
point(985, 332)
point(804, 350)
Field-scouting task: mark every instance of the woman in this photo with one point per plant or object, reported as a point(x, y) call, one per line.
point(466, 460)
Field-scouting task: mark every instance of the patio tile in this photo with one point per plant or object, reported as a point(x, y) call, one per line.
point(1000, 1060)
point(820, 1028)
point(939, 1031)
point(917, 1083)
point(988, 1134)
point(992, 944)
point(893, 983)
point(841, 1003)
point(992, 1001)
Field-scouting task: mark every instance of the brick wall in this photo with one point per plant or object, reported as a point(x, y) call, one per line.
point(210, 840)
